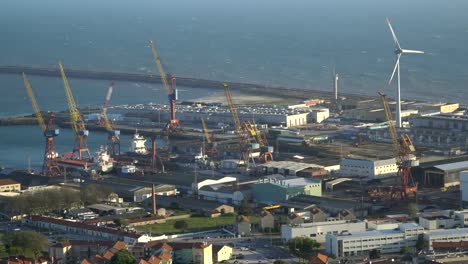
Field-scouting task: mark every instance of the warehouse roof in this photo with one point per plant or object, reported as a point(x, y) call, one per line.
point(291, 181)
point(290, 165)
point(372, 233)
point(453, 166)
point(445, 232)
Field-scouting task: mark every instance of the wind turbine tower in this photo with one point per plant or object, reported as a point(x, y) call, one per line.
point(335, 88)
point(399, 52)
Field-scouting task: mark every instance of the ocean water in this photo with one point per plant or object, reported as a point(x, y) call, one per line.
point(21, 144)
point(270, 42)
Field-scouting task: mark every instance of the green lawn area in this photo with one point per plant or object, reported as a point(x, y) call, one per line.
point(195, 224)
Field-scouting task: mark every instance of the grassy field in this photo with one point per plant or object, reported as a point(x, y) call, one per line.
point(195, 224)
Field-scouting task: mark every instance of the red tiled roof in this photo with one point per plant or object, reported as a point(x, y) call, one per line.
point(24, 260)
point(119, 245)
point(7, 182)
point(108, 255)
point(461, 244)
point(86, 261)
point(154, 260)
point(142, 261)
point(319, 259)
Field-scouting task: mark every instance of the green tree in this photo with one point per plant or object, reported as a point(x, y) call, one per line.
point(123, 256)
point(181, 225)
point(27, 243)
point(279, 261)
point(120, 221)
point(420, 243)
point(93, 193)
point(413, 210)
point(245, 208)
point(302, 246)
point(405, 250)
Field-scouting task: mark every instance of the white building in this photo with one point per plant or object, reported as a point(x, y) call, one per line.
point(372, 169)
point(319, 230)
point(464, 187)
point(462, 218)
point(209, 182)
point(446, 235)
point(223, 193)
point(436, 220)
point(386, 241)
point(317, 115)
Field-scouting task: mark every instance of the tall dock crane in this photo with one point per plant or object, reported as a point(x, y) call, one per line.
point(245, 151)
point(173, 125)
point(49, 164)
point(113, 136)
point(80, 150)
point(403, 151)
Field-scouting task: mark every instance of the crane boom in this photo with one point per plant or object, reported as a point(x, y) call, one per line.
point(173, 125)
point(32, 98)
point(254, 133)
point(162, 73)
point(233, 109)
point(206, 132)
point(77, 122)
point(107, 123)
point(391, 126)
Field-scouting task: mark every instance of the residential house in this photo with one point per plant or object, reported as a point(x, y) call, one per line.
point(294, 219)
point(202, 253)
point(267, 220)
point(243, 226)
point(221, 253)
point(75, 250)
point(220, 210)
point(25, 260)
point(317, 215)
point(9, 185)
point(319, 259)
point(346, 214)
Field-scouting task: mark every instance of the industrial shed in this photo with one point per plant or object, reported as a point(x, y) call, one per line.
point(286, 168)
point(273, 191)
point(444, 175)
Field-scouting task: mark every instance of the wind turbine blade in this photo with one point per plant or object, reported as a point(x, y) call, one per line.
point(393, 34)
point(412, 51)
point(394, 69)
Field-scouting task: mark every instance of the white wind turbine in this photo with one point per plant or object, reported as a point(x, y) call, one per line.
point(399, 51)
